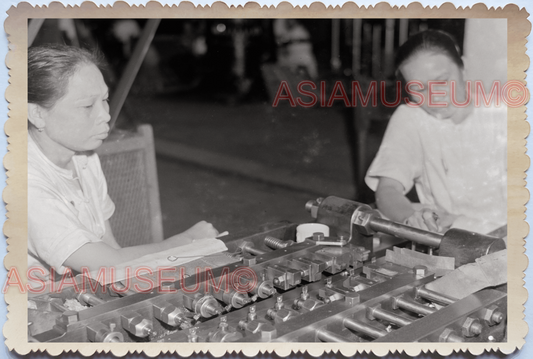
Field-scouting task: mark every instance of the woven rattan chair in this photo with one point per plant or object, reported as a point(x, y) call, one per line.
point(128, 162)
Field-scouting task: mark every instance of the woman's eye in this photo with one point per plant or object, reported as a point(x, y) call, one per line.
point(88, 107)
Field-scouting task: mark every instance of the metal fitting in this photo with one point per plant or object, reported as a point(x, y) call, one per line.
point(252, 314)
point(135, 324)
point(99, 333)
point(305, 293)
point(192, 336)
point(492, 315)
point(471, 327)
point(362, 218)
point(312, 206)
point(207, 306)
point(168, 314)
point(265, 289)
point(223, 324)
point(279, 303)
point(449, 335)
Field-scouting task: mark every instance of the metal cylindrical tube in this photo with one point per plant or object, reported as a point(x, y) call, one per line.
point(389, 317)
point(413, 234)
point(329, 337)
point(414, 307)
point(90, 299)
point(434, 296)
point(467, 246)
point(249, 248)
point(363, 328)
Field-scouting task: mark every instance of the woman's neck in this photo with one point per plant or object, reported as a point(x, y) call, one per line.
point(59, 155)
point(461, 114)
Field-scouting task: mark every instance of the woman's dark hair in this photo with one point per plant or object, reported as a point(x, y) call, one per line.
point(51, 66)
point(430, 40)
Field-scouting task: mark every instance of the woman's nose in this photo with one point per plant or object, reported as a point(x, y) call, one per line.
point(104, 112)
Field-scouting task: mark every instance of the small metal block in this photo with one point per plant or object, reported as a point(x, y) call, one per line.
point(70, 316)
point(268, 332)
point(352, 298)
point(420, 270)
point(318, 236)
point(249, 260)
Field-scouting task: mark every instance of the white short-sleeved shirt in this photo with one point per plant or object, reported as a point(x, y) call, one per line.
point(458, 168)
point(61, 218)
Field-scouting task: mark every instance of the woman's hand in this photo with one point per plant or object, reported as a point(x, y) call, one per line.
point(201, 230)
point(431, 220)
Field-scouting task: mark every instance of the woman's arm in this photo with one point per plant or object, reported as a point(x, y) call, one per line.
point(109, 238)
point(391, 200)
point(397, 207)
point(95, 255)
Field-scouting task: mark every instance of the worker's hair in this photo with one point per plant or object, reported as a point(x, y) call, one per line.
point(50, 68)
point(429, 41)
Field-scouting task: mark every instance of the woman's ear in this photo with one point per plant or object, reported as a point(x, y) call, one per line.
point(35, 115)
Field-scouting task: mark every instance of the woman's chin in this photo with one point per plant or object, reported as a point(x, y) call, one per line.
point(441, 114)
point(91, 145)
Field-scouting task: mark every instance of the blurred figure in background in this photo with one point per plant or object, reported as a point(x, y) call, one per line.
point(295, 49)
point(149, 79)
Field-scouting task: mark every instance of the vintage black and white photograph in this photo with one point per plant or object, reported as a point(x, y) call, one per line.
point(268, 180)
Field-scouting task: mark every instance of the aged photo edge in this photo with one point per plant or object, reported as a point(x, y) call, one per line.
point(14, 194)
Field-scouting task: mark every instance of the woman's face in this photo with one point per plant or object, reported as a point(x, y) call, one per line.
point(79, 120)
point(433, 66)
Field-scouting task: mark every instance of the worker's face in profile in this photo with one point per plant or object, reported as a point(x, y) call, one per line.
point(79, 120)
point(433, 66)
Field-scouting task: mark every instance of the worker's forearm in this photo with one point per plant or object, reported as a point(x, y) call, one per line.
point(130, 253)
point(98, 255)
point(393, 204)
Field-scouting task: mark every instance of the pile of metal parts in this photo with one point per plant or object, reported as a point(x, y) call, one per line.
point(325, 289)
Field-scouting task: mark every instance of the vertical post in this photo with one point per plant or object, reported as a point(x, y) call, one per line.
point(389, 48)
point(132, 68)
point(356, 47)
point(335, 48)
point(404, 31)
point(376, 51)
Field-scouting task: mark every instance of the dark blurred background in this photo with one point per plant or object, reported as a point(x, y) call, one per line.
point(224, 153)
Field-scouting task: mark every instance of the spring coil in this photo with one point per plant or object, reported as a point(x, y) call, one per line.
point(276, 243)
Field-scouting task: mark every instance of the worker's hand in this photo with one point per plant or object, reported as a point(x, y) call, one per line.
point(425, 219)
point(444, 220)
point(431, 220)
point(201, 230)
